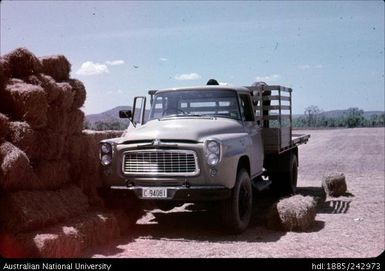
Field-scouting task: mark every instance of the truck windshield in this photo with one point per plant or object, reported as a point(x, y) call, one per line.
point(216, 103)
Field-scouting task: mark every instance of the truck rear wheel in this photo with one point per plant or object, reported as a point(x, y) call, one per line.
point(285, 182)
point(237, 209)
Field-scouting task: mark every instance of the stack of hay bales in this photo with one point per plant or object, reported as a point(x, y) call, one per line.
point(84, 154)
point(296, 213)
point(48, 165)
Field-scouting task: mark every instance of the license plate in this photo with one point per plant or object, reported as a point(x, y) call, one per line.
point(154, 193)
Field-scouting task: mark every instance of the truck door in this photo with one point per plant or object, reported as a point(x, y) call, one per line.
point(255, 133)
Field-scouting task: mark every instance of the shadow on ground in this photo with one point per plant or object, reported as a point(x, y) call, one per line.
point(202, 223)
point(326, 205)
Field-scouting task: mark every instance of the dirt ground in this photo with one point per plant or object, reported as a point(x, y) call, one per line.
point(348, 226)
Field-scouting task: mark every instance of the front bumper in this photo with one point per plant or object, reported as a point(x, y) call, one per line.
point(183, 193)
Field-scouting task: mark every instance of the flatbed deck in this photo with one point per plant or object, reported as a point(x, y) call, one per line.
point(298, 139)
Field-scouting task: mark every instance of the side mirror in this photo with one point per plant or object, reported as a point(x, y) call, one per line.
point(125, 114)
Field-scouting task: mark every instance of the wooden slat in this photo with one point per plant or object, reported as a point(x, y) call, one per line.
point(276, 98)
point(272, 117)
point(277, 87)
point(269, 88)
point(273, 107)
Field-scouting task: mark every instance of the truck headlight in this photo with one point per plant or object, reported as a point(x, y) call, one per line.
point(212, 159)
point(106, 159)
point(105, 154)
point(106, 148)
point(213, 151)
point(213, 147)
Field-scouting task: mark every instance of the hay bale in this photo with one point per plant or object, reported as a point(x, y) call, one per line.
point(75, 147)
point(56, 66)
point(4, 126)
point(4, 73)
point(75, 122)
point(296, 213)
point(79, 93)
point(25, 102)
point(15, 170)
point(90, 183)
point(92, 163)
point(22, 63)
point(50, 87)
point(31, 210)
point(18, 174)
point(59, 95)
point(37, 144)
point(27, 139)
point(97, 136)
point(57, 119)
point(53, 145)
point(65, 98)
point(15, 246)
point(76, 151)
point(99, 228)
point(66, 240)
point(52, 174)
point(334, 184)
point(83, 152)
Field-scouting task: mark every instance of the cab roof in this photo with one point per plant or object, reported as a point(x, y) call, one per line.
point(204, 88)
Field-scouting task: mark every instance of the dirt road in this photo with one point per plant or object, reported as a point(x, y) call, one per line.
point(348, 226)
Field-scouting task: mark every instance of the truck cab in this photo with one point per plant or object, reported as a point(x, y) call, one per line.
point(206, 143)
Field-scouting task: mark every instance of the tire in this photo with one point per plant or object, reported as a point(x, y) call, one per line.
point(293, 175)
point(285, 182)
point(237, 209)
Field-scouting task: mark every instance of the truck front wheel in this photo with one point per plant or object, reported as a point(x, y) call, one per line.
point(237, 209)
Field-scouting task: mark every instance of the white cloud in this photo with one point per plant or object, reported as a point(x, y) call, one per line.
point(91, 68)
point(319, 66)
point(163, 59)
point(268, 78)
point(187, 76)
point(114, 62)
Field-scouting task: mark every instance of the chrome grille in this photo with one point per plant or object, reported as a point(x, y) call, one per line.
point(161, 162)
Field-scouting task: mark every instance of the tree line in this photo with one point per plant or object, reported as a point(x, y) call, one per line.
point(313, 117)
point(352, 117)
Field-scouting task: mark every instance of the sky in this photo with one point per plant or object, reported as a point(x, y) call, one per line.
point(330, 52)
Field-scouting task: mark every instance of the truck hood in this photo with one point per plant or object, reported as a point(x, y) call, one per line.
point(182, 129)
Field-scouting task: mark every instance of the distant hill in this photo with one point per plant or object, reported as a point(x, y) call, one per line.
point(110, 116)
point(107, 116)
